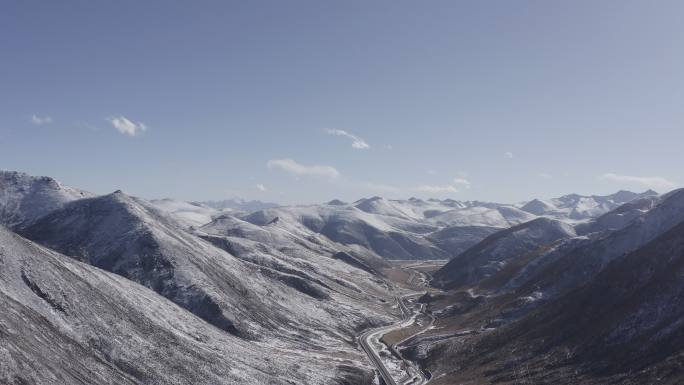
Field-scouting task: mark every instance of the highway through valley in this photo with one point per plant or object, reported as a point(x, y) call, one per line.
point(402, 372)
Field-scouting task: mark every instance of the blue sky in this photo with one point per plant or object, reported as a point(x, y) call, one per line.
point(305, 101)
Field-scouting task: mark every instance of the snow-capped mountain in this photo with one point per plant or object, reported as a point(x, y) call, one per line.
point(189, 213)
point(556, 272)
point(130, 237)
point(493, 254)
point(618, 321)
point(24, 198)
point(289, 288)
point(238, 204)
point(432, 229)
point(576, 207)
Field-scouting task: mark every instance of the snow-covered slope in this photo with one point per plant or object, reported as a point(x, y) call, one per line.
point(24, 198)
point(495, 252)
point(622, 326)
point(618, 218)
point(65, 322)
point(574, 207)
point(280, 291)
point(388, 236)
point(190, 213)
point(432, 229)
point(556, 272)
point(501, 217)
point(237, 204)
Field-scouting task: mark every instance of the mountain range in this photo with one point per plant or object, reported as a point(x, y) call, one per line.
point(115, 289)
point(544, 302)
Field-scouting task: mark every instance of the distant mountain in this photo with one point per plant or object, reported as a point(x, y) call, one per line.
point(493, 253)
point(618, 218)
point(190, 213)
point(555, 273)
point(601, 307)
point(238, 204)
point(621, 326)
point(432, 229)
point(456, 239)
point(25, 198)
point(387, 236)
point(579, 207)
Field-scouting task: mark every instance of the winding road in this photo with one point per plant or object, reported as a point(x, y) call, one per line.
point(370, 339)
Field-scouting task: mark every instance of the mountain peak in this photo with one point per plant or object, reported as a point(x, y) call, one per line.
point(336, 202)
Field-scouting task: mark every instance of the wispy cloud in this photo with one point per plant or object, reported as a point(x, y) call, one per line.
point(40, 120)
point(433, 189)
point(456, 185)
point(461, 182)
point(654, 182)
point(126, 126)
point(357, 143)
point(544, 175)
point(508, 154)
point(292, 167)
point(260, 187)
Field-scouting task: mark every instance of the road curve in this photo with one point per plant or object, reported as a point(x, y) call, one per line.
point(367, 346)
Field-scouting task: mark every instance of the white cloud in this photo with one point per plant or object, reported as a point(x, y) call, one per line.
point(387, 146)
point(456, 185)
point(431, 171)
point(40, 120)
point(654, 182)
point(261, 187)
point(127, 126)
point(461, 182)
point(544, 175)
point(508, 154)
point(298, 169)
point(357, 142)
point(432, 189)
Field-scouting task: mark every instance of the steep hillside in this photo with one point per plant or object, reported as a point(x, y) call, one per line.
point(265, 295)
point(65, 322)
point(623, 327)
point(493, 253)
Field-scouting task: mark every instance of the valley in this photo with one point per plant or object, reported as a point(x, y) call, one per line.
point(381, 344)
